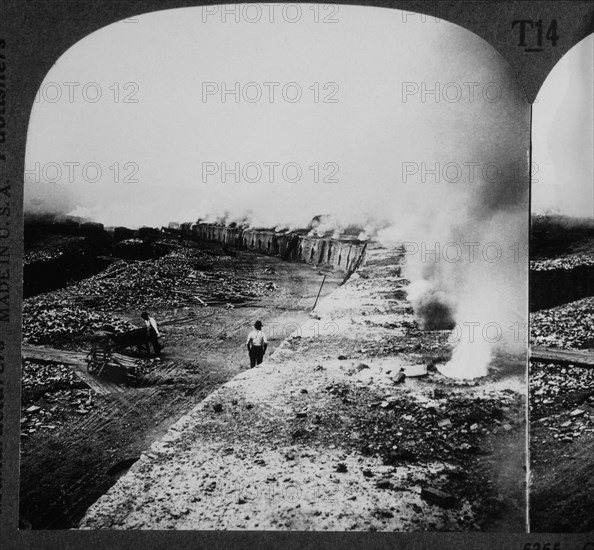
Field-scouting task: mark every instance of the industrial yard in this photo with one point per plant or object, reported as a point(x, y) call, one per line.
point(87, 430)
point(197, 440)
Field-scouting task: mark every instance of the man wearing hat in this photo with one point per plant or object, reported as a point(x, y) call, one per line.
point(152, 332)
point(256, 344)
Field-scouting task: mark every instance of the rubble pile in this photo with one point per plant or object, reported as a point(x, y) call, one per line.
point(51, 320)
point(52, 391)
point(401, 428)
point(566, 326)
point(51, 251)
point(564, 262)
point(48, 390)
point(59, 317)
point(51, 375)
point(131, 242)
point(168, 281)
point(556, 390)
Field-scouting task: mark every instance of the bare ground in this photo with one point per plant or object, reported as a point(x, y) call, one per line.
point(561, 449)
point(71, 459)
point(319, 437)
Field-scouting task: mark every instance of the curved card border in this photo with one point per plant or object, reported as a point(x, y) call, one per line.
point(33, 35)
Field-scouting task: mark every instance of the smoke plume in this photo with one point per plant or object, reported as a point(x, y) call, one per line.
point(420, 136)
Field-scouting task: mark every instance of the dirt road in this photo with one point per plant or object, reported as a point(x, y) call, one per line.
point(320, 438)
point(81, 447)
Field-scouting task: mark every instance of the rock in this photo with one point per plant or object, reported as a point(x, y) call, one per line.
point(577, 412)
point(298, 433)
point(399, 455)
point(416, 508)
point(437, 497)
point(33, 409)
point(383, 483)
point(303, 390)
point(367, 473)
point(444, 423)
point(341, 468)
point(217, 407)
point(302, 414)
point(342, 357)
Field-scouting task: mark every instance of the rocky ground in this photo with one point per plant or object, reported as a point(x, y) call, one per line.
point(321, 438)
point(561, 395)
point(562, 423)
point(75, 442)
point(568, 326)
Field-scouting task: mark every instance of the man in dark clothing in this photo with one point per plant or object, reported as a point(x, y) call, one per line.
point(152, 332)
point(256, 344)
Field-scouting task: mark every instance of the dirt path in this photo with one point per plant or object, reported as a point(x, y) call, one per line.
point(320, 438)
point(66, 466)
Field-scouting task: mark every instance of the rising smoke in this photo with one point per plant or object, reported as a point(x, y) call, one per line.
point(391, 149)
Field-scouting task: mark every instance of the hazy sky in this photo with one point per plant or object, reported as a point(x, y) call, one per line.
point(421, 124)
point(377, 66)
point(563, 136)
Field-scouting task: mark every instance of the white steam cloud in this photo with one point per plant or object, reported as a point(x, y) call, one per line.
point(426, 144)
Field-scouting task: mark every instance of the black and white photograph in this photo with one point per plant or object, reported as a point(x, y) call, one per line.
point(562, 298)
point(359, 223)
point(305, 270)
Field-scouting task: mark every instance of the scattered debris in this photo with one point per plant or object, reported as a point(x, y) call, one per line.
point(566, 327)
point(383, 483)
point(435, 496)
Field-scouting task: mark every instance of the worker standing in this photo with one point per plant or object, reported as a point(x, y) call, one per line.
point(256, 344)
point(152, 332)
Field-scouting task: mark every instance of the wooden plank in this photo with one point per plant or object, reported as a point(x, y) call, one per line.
point(49, 355)
point(582, 358)
point(78, 363)
point(124, 360)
